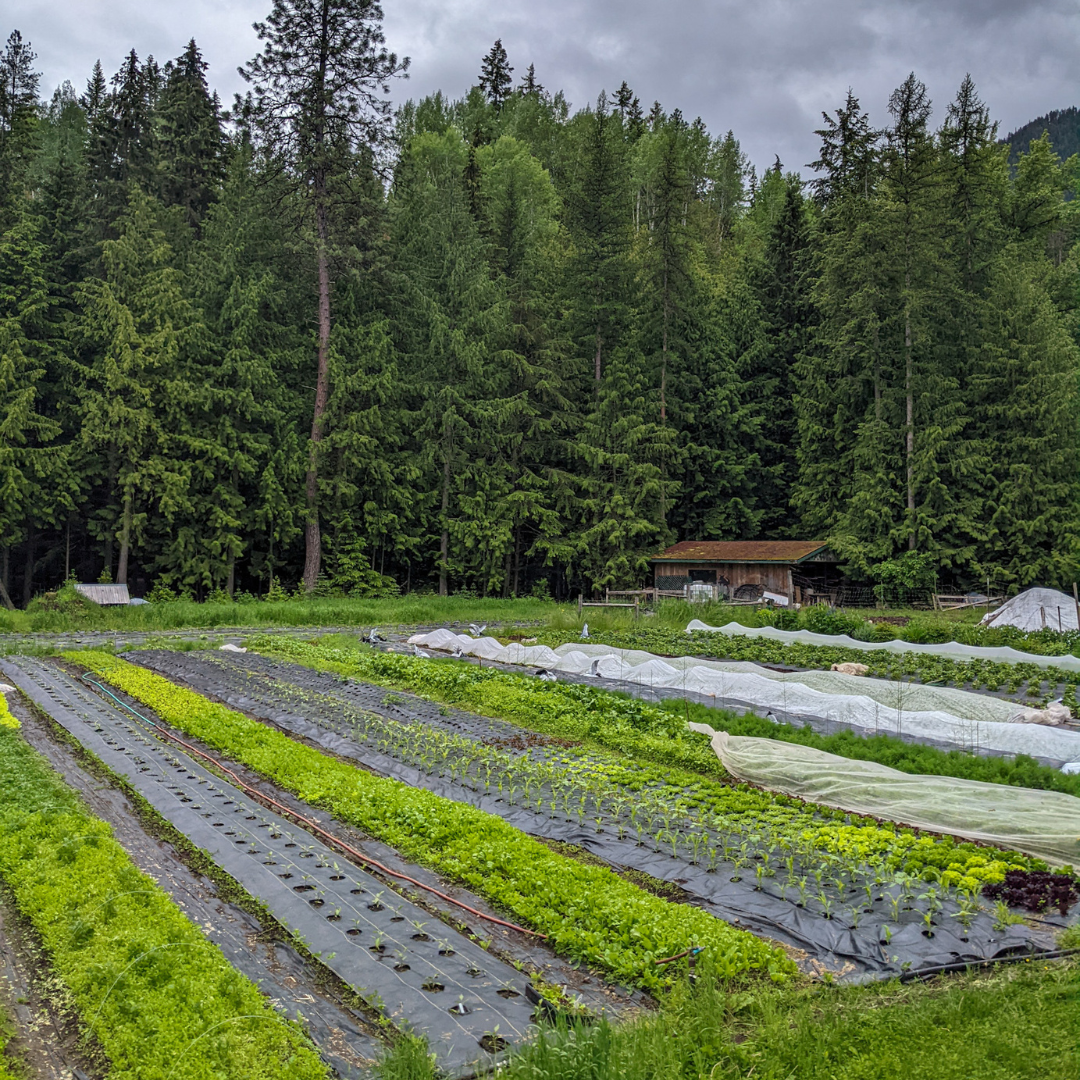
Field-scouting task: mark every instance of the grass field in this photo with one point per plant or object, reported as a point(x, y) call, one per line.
point(1018, 1022)
point(68, 613)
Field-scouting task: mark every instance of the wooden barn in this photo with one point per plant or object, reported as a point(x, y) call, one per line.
point(799, 570)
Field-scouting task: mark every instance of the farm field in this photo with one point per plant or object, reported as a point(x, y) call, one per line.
point(469, 866)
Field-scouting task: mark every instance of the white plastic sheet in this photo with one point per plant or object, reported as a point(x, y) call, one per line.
point(968, 721)
point(1041, 823)
point(1036, 609)
point(953, 649)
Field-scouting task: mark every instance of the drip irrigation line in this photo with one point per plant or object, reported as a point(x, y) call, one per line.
point(964, 965)
point(307, 823)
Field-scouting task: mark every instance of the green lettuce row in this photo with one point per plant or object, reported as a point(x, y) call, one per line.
point(162, 1001)
point(588, 912)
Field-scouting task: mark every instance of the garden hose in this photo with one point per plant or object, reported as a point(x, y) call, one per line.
point(307, 823)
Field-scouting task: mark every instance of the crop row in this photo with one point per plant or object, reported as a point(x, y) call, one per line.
point(709, 821)
point(160, 999)
point(995, 675)
point(6, 1027)
point(6, 719)
point(1021, 771)
point(587, 912)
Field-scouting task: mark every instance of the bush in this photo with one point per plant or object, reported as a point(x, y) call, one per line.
point(822, 619)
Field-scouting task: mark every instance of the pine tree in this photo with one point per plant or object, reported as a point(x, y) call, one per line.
point(784, 285)
point(495, 72)
point(190, 142)
point(18, 121)
point(452, 335)
point(530, 84)
point(838, 379)
point(96, 90)
point(1026, 399)
point(35, 486)
point(527, 252)
point(318, 85)
point(136, 323)
point(120, 153)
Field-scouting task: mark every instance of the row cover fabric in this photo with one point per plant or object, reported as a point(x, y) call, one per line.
point(1036, 609)
point(1045, 824)
point(960, 718)
point(953, 649)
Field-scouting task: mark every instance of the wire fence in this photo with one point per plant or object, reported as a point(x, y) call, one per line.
point(839, 593)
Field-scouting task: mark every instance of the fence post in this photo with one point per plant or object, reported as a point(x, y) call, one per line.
point(580, 600)
point(635, 608)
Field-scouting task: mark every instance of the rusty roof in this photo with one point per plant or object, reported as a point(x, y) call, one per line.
point(741, 551)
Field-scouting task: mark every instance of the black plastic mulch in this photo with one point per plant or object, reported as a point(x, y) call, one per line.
point(328, 711)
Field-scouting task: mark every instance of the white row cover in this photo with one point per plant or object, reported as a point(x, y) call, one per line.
point(1036, 609)
point(953, 649)
point(930, 713)
point(1041, 823)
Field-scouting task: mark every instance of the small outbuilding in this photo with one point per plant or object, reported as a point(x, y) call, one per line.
point(105, 595)
point(797, 570)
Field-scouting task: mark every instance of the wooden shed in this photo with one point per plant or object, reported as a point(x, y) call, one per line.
point(106, 595)
point(741, 569)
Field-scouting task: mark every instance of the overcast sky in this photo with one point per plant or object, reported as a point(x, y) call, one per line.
point(764, 68)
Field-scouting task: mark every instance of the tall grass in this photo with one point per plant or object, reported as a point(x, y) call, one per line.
point(1010, 1023)
point(410, 610)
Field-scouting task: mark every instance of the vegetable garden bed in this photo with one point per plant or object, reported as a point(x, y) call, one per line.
point(155, 994)
point(1025, 683)
point(435, 979)
point(849, 892)
point(586, 912)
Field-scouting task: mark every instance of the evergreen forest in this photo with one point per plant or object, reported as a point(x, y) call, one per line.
point(506, 345)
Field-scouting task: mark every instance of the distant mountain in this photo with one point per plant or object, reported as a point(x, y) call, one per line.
point(1064, 128)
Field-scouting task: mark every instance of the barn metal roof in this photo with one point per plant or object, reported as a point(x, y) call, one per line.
point(741, 551)
point(104, 594)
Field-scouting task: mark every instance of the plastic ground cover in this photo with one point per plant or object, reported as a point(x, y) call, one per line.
point(951, 649)
point(941, 715)
point(1041, 823)
point(297, 986)
point(385, 947)
point(320, 707)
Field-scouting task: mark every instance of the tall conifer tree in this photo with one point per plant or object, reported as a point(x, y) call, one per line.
point(319, 85)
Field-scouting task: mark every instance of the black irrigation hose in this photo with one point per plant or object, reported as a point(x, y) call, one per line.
point(307, 822)
point(964, 965)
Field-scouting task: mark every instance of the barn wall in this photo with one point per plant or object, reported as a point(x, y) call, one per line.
point(774, 576)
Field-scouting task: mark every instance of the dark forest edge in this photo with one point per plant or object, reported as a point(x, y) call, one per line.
point(498, 344)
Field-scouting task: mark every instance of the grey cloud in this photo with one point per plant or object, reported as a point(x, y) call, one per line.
point(765, 69)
